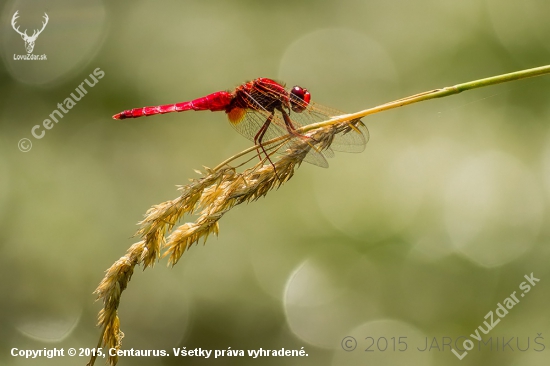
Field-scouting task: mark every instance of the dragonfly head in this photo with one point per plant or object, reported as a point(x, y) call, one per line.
point(299, 99)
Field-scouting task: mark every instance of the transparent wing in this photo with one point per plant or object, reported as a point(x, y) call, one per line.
point(352, 139)
point(252, 122)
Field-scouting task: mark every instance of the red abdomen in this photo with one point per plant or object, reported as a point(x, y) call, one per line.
point(214, 102)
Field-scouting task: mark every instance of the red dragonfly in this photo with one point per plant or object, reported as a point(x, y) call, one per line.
point(263, 109)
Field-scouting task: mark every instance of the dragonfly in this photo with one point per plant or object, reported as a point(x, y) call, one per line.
point(262, 109)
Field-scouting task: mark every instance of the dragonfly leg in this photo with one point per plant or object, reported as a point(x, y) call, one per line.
point(290, 126)
point(292, 131)
point(260, 135)
point(258, 141)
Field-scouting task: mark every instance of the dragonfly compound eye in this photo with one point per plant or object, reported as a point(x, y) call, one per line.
point(299, 99)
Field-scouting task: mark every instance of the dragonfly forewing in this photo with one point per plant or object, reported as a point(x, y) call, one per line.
point(352, 136)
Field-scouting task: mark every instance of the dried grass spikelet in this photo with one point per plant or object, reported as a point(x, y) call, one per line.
point(109, 290)
point(212, 195)
point(233, 188)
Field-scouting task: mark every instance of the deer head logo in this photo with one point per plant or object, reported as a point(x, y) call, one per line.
point(29, 40)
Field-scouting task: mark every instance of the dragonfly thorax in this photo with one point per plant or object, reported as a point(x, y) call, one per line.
point(269, 95)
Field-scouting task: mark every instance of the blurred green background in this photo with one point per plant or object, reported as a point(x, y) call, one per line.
point(420, 236)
